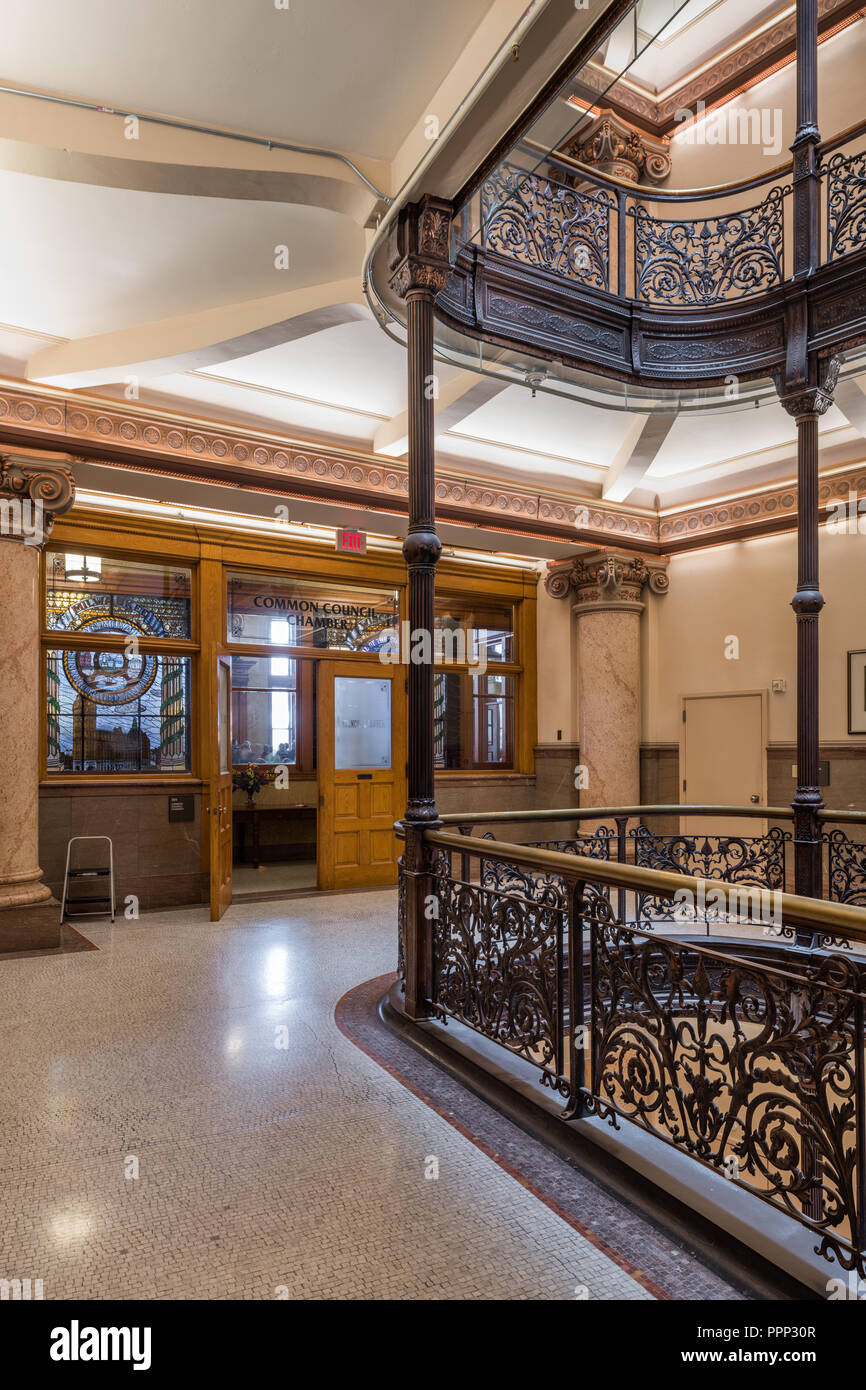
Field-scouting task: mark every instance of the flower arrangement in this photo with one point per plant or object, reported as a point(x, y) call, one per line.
point(251, 779)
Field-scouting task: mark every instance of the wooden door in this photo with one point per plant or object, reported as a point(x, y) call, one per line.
point(361, 769)
point(723, 759)
point(220, 794)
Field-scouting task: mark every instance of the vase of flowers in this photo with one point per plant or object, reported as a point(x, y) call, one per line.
point(250, 779)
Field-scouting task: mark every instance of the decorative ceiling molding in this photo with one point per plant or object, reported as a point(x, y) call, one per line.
point(168, 445)
point(756, 58)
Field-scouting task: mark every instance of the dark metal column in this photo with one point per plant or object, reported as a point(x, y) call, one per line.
point(420, 269)
point(807, 182)
point(421, 551)
point(807, 393)
point(807, 604)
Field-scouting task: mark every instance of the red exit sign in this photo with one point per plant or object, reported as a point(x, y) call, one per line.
point(353, 541)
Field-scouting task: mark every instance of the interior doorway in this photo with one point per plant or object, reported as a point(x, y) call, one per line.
point(315, 752)
point(360, 779)
point(723, 758)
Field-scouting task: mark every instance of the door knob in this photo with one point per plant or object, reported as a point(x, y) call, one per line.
point(755, 799)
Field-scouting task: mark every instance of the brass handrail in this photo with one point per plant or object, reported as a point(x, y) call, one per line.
point(601, 812)
point(833, 918)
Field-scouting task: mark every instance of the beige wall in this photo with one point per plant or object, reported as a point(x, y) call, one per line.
point(557, 686)
point(842, 63)
point(745, 590)
point(742, 590)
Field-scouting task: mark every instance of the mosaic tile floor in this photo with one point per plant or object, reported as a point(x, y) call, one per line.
point(274, 1157)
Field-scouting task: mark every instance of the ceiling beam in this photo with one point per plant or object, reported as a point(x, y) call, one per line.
point(456, 400)
point(194, 341)
point(852, 403)
point(635, 458)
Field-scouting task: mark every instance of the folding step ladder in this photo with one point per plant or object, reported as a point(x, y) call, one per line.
point(87, 874)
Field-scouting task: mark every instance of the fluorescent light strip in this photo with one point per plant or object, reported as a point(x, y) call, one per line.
point(325, 535)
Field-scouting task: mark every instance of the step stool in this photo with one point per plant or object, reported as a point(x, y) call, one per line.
point(97, 875)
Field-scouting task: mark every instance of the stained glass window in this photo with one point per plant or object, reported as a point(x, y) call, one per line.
point(87, 593)
point(117, 711)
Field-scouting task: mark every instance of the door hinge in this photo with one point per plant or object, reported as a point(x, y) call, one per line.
point(321, 800)
point(684, 716)
point(684, 786)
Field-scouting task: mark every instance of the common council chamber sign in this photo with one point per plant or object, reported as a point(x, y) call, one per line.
point(297, 613)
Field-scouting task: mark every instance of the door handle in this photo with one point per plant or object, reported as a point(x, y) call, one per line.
point(755, 799)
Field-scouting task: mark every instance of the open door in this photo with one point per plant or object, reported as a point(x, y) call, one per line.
point(220, 798)
point(361, 773)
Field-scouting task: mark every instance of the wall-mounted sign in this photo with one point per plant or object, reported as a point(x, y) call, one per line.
point(283, 611)
point(354, 542)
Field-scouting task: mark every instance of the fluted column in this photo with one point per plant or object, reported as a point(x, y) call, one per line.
point(31, 494)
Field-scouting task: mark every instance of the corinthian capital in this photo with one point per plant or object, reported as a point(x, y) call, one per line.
point(32, 493)
point(606, 577)
point(421, 240)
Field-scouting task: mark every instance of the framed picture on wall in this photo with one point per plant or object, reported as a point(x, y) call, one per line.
point(857, 692)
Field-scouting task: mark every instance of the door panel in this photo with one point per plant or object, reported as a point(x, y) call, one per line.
point(360, 768)
point(723, 759)
point(220, 794)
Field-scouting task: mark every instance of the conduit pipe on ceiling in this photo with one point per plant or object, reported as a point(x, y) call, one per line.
point(200, 130)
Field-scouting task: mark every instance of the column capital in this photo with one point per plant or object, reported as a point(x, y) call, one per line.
point(607, 579)
point(419, 258)
point(813, 400)
point(32, 492)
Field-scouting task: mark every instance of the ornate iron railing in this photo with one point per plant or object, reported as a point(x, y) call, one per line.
point(706, 260)
point(846, 204)
point(743, 1047)
point(752, 1068)
point(846, 869)
point(497, 961)
point(544, 887)
point(547, 224)
point(663, 248)
point(751, 861)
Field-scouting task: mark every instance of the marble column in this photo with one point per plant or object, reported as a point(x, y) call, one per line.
point(607, 587)
point(32, 493)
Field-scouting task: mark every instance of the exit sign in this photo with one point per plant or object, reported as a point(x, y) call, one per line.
point(354, 541)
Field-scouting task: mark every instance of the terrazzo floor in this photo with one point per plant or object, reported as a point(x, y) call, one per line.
point(182, 1118)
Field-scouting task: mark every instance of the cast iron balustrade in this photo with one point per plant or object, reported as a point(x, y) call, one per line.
point(667, 249)
point(735, 1035)
point(846, 204)
point(544, 223)
point(707, 260)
